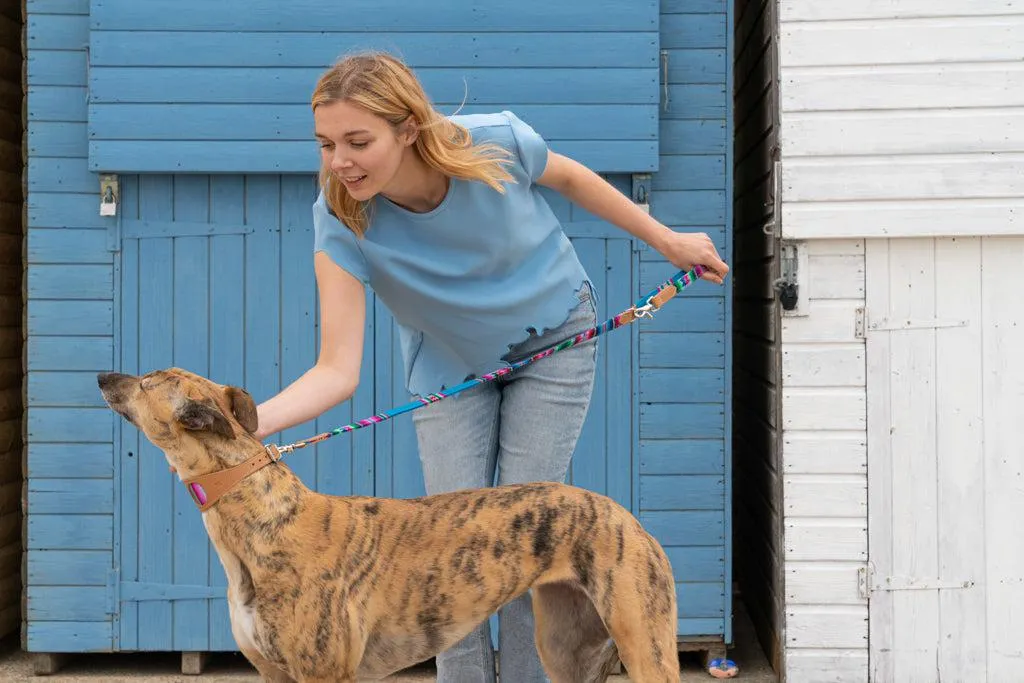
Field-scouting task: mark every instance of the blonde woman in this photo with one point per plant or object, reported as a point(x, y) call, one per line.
point(442, 218)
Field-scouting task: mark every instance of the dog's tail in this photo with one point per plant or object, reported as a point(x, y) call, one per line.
point(606, 662)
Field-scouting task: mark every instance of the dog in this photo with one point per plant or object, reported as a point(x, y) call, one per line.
point(344, 588)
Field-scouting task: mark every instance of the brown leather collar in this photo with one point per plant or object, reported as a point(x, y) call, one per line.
point(207, 489)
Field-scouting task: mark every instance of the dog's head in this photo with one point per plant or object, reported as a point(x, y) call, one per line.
point(188, 417)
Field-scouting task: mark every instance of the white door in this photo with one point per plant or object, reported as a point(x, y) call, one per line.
point(945, 355)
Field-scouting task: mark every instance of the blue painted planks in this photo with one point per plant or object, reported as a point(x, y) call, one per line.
point(687, 528)
point(56, 67)
point(682, 350)
point(75, 425)
point(74, 389)
point(690, 172)
point(86, 460)
point(557, 123)
point(70, 496)
point(682, 492)
point(241, 48)
point(701, 627)
point(70, 532)
point(144, 156)
point(68, 568)
point(69, 636)
point(67, 246)
point(374, 15)
point(49, 139)
point(57, 6)
point(70, 353)
point(71, 282)
point(693, 31)
point(65, 104)
point(61, 210)
point(682, 421)
point(682, 385)
point(445, 86)
point(695, 136)
point(57, 32)
point(690, 564)
point(696, 66)
point(65, 603)
point(700, 600)
point(681, 456)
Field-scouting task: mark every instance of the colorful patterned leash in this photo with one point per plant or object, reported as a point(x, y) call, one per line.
point(644, 308)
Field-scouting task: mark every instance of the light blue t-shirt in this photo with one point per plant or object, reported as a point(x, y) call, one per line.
point(468, 279)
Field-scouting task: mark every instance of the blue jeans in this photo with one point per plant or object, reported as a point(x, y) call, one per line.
point(522, 428)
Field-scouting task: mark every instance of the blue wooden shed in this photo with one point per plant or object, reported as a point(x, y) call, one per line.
point(195, 115)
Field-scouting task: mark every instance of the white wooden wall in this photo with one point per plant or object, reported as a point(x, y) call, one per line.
point(901, 127)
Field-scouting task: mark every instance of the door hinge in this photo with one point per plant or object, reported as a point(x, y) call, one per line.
point(887, 325)
point(868, 584)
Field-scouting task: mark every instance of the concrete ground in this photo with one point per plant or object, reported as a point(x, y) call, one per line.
point(16, 665)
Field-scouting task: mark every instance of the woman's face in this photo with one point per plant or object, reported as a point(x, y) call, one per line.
point(361, 149)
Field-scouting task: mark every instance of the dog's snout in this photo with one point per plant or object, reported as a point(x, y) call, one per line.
point(106, 380)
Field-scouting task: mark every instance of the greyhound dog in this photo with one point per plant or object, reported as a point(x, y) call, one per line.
point(339, 588)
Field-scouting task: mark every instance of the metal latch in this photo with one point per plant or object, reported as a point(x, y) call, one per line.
point(110, 194)
point(787, 285)
point(866, 583)
point(642, 191)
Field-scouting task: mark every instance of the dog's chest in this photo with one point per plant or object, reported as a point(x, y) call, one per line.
point(243, 622)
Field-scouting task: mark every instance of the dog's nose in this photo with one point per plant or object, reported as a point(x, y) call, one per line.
point(107, 379)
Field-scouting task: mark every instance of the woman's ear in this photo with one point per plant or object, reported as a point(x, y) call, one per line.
point(409, 130)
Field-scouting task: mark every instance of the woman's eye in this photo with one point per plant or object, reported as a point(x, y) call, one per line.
point(359, 145)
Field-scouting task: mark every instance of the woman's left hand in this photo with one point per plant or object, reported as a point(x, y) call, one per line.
point(686, 249)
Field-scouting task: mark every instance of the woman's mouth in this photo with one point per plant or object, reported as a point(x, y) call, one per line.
point(353, 182)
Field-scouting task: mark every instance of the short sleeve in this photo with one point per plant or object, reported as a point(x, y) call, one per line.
point(332, 237)
point(533, 150)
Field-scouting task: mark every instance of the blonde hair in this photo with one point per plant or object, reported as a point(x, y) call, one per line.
point(383, 85)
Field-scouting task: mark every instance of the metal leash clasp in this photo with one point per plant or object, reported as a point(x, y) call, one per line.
point(645, 311)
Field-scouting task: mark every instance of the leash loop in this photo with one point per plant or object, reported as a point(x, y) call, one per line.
point(645, 307)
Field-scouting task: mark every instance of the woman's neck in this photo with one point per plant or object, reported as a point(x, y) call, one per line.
point(417, 186)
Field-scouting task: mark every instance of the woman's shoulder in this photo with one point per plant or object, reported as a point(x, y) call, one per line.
point(506, 129)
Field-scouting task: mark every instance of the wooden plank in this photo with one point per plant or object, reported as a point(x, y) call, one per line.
point(1002, 335)
point(823, 365)
point(694, 136)
point(938, 131)
point(682, 456)
point(426, 49)
point(908, 41)
point(695, 101)
point(61, 175)
point(191, 349)
point(821, 665)
point(693, 31)
point(92, 318)
point(55, 460)
point(689, 208)
point(810, 583)
point(49, 139)
point(837, 10)
point(682, 492)
point(65, 603)
point(705, 65)
point(826, 322)
point(57, 31)
point(678, 350)
point(682, 385)
point(60, 210)
point(67, 246)
point(70, 532)
point(901, 218)
point(825, 540)
point(557, 123)
point(912, 438)
point(377, 15)
point(825, 495)
point(68, 567)
point(81, 425)
point(245, 85)
point(697, 564)
point(703, 314)
point(879, 267)
point(70, 353)
point(903, 87)
point(825, 408)
point(700, 600)
point(840, 626)
point(70, 496)
point(699, 628)
point(144, 156)
point(71, 282)
point(959, 451)
point(689, 528)
point(57, 6)
point(673, 421)
point(689, 172)
point(70, 636)
point(57, 104)
point(54, 66)
point(919, 177)
point(814, 452)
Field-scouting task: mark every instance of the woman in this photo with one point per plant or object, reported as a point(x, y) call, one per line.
point(443, 219)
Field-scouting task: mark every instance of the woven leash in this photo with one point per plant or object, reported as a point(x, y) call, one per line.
point(644, 308)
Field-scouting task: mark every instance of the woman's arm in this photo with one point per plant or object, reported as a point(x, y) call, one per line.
point(336, 374)
point(585, 188)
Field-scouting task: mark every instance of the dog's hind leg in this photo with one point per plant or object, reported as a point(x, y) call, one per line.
point(572, 641)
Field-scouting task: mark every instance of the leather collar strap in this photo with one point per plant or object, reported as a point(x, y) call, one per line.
point(207, 489)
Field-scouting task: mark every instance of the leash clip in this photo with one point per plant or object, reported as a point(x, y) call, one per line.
point(645, 311)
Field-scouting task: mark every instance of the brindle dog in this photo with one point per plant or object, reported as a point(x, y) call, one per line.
point(327, 588)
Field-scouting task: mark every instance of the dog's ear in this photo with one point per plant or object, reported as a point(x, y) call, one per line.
point(197, 416)
point(243, 408)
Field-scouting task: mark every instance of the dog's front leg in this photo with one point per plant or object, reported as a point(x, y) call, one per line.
point(269, 672)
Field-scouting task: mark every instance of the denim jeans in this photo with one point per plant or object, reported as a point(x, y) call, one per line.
point(522, 428)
